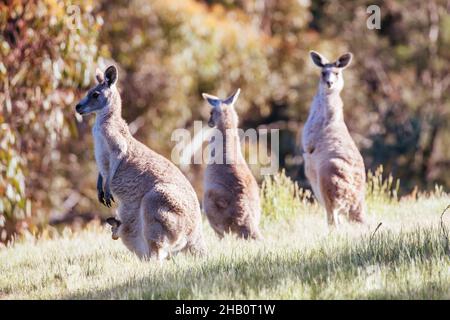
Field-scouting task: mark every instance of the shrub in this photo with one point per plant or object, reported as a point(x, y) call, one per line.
point(381, 189)
point(47, 50)
point(282, 198)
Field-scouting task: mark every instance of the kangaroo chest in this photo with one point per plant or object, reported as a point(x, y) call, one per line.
point(324, 121)
point(312, 131)
point(100, 150)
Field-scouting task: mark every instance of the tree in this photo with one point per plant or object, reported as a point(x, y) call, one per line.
point(47, 51)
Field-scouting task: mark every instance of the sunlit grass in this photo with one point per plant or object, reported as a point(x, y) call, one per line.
point(300, 258)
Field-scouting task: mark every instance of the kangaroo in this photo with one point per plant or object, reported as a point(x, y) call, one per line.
point(158, 209)
point(231, 194)
point(333, 164)
point(115, 226)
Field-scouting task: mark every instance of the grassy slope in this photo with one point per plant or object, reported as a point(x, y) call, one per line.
point(299, 259)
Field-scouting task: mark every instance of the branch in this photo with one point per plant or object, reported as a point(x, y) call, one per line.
point(376, 229)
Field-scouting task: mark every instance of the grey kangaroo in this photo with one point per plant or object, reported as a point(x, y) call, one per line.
point(333, 164)
point(159, 212)
point(231, 193)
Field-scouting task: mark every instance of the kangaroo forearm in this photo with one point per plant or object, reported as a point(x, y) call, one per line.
point(100, 193)
point(114, 164)
point(117, 149)
point(100, 182)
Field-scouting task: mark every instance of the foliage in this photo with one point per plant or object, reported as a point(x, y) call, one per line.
point(381, 189)
point(12, 186)
point(45, 55)
point(282, 198)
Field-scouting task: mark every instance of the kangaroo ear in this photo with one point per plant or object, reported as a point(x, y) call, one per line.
point(99, 75)
point(318, 59)
point(232, 99)
point(344, 60)
point(113, 222)
point(111, 75)
point(212, 100)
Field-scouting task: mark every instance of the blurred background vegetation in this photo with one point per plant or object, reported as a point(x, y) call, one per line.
point(396, 96)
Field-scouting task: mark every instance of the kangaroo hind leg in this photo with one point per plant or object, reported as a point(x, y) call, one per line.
point(159, 226)
point(356, 214)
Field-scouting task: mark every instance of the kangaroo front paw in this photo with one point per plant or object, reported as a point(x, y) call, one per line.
point(101, 197)
point(108, 199)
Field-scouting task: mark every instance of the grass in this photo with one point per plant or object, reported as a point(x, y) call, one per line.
point(300, 258)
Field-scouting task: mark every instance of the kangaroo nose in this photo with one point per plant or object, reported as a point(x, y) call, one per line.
point(78, 108)
point(329, 83)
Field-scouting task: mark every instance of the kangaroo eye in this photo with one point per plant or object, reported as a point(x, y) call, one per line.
point(335, 73)
point(95, 94)
point(324, 74)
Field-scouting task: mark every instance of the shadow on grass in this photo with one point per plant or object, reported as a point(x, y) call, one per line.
point(247, 275)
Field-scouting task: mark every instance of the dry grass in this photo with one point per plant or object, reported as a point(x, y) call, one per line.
point(300, 258)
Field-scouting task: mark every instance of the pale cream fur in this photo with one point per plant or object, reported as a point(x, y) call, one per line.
point(333, 164)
